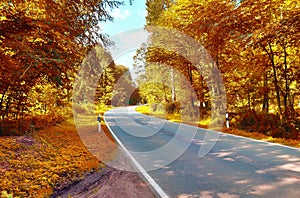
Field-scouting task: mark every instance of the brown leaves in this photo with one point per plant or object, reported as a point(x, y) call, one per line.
point(33, 166)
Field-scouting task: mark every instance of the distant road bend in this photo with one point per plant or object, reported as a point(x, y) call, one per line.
point(235, 167)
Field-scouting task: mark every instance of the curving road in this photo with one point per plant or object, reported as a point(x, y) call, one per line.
point(234, 167)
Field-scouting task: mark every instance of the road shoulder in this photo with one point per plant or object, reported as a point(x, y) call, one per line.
point(109, 183)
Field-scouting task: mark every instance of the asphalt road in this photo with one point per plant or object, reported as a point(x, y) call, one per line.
point(234, 167)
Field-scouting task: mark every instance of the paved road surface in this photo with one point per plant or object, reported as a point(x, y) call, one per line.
point(235, 167)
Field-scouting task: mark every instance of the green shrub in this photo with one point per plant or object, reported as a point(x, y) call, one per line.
point(4, 194)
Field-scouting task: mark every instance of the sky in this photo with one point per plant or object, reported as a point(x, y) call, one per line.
point(126, 18)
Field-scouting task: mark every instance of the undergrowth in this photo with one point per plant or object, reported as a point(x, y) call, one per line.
point(32, 166)
point(48, 158)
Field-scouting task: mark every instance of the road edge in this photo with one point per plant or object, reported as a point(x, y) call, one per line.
point(156, 188)
point(224, 133)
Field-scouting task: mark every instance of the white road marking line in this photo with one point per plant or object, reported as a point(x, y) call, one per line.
point(229, 134)
point(151, 181)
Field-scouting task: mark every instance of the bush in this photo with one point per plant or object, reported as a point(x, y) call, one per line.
point(153, 107)
point(15, 127)
point(286, 130)
point(80, 110)
point(101, 108)
point(259, 122)
point(247, 121)
point(268, 124)
point(26, 125)
point(55, 116)
point(173, 107)
point(42, 121)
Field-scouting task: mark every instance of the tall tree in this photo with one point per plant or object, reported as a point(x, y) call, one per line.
point(123, 87)
point(255, 44)
point(45, 38)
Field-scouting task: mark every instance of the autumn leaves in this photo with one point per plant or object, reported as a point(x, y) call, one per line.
point(44, 41)
point(254, 43)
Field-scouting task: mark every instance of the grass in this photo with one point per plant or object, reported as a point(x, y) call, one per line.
point(34, 165)
point(205, 124)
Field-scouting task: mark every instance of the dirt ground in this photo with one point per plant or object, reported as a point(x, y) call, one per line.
point(117, 180)
point(109, 183)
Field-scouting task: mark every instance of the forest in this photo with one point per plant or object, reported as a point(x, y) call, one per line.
point(42, 46)
point(43, 43)
point(254, 45)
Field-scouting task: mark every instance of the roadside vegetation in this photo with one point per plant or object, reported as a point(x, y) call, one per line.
point(43, 161)
point(42, 46)
point(236, 128)
point(254, 44)
point(45, 46)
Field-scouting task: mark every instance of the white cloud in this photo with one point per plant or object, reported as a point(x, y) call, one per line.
point(120, 14)
point(142, 13)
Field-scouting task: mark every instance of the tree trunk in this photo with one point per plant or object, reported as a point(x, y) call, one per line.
point(191, 82)
point(275, 79)
point(265, 107)
point(173, 85)
point(6, 108)
point(1, 101)
point(286, 83)
point(202, 100)
point(288, 104)
point(271, 56)
point(249, 101)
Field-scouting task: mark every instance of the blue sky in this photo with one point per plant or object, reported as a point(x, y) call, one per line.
point(126, 17)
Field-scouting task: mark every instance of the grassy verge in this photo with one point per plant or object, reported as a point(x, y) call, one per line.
point(205, 124)
point(36, 164)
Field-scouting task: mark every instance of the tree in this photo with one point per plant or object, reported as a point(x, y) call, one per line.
point(155, 9)
point(272, 28)
point(45, 39)
point(255, 45)
point(123, 87)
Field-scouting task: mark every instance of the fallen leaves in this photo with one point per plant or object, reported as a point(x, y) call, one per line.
point(34, 165)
